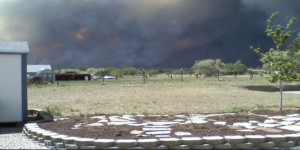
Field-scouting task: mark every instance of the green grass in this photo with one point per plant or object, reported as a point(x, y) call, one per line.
point(160, 95)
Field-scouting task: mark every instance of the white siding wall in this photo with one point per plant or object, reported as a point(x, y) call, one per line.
point(10, 88)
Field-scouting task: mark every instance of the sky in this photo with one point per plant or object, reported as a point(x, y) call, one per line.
point(141, 33)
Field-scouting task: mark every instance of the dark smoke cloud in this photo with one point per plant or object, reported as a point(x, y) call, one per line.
point(140, 33)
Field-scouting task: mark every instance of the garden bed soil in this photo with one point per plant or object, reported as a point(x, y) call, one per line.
point(205, 129)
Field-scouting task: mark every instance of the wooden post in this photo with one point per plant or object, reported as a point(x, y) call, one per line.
point(181, 74)
point(144, 79)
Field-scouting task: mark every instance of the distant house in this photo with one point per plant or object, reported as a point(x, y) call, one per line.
point(45, 72)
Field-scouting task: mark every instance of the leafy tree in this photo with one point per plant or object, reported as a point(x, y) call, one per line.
point(239, 67)
point(152, 72)
point(116, 72)
point(130, 71)
point(281, 61)
point(208, 67)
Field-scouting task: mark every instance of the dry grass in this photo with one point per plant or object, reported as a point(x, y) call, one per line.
point(160, 95)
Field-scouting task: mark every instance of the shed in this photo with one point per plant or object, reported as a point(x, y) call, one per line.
point(46, 75)
point(13, 88)
point(32, 70)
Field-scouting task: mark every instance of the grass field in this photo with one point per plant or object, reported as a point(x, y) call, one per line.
point(160, 95)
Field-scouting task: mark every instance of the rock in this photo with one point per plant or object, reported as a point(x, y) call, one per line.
point(220, 123)
point(278, 117)
point(136, 132)
point(291, 127)
point(170, 141)
point(276, 138)
point(183, 133)
point(126, 143)
point(270, 121)
point(235, 139)
point(103, 143)
point(213, 140)
point(148, 143)
point(192, 140)
point(255, 138)
point(270, 130)
point(158, 132)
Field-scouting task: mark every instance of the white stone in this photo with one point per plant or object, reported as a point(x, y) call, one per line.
point(138, 124)
point(170, 141)
point(268, 125)
point(104, 143)
point(292, 119)
point(157, 129)
point(148, 143)
point(95, 124)
point(191, 140)
point(158, 132)
point(270, 121)
point(293, 115)
point(243, 124)
point(197, 115)
point(126, 143)
point(179, 120)
point(128, 117)
point(163, 136)
point(98, 117)
point(156, 126)
point(220, 123)
point(250, 127)
point(120, 123)
point(117, 119)
point(136, 132)
point(278, 117)
point(286, 122)
point(291, 128)
point(255, 138)
point(213, 140)
point(245, 130)
point(183, 133)
point(292, 137)
point(276, 138)
point(253, 121)
point(162, 123)
point(235, 139)
point(84, 141)
point(103, 121)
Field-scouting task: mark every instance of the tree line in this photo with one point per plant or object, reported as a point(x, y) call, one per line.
point(207, 68)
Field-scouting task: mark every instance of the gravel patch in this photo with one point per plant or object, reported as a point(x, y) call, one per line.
point(12, 138)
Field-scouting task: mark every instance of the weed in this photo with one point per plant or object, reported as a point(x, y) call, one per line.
point(238, 109)
point(54, 111)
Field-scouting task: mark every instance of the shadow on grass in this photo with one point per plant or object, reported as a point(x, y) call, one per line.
point(268, 88)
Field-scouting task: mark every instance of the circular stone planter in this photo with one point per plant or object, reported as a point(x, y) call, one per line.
point(56, 140)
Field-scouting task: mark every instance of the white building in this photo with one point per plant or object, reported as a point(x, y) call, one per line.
point(44, 71)
point(13, 88)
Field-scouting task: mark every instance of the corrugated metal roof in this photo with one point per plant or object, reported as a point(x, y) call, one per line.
point(14, 47)
point(37, 68)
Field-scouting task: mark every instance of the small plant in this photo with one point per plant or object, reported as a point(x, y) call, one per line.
point(54, 111)
point(238, 109)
